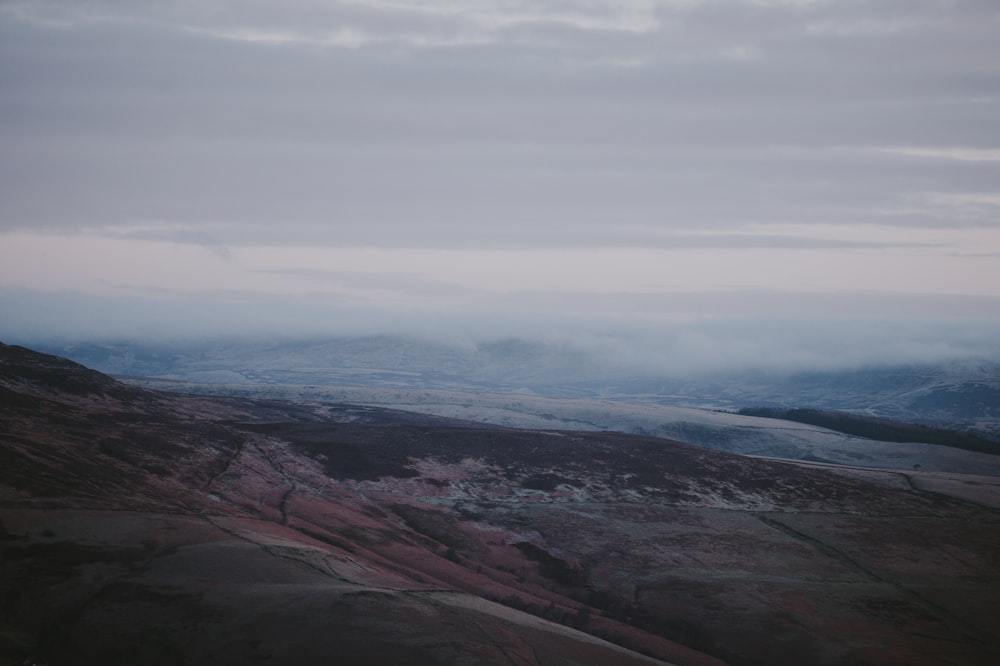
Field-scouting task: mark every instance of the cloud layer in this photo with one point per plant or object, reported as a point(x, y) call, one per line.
point(647, 160)
point(436, 122)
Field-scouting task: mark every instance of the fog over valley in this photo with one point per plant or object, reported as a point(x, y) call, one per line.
point(711, 182)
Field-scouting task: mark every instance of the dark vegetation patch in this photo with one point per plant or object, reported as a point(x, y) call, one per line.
point(345, 451)
point(127, 591)
point(7, 536)
point(894, 611)
point(434, 524)
point(378, 536)
point(62, 558)
point(683, 630)
point(672, 471)
point(554, 568)
point(548, 482)
point(17, 400)
point(134, 447)
point(969, 401)
point(55, 374)
point(326, 538)
point(125, 623)
point(360, 451)
point(48, 473)
point(883, 430)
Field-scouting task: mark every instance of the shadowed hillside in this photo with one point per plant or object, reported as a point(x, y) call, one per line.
point(141, 527)
point(883, 430)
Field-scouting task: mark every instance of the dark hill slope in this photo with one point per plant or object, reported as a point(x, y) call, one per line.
point(140, 527)
point(884, 430)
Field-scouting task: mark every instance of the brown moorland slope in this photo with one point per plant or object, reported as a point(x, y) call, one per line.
point(139, 527)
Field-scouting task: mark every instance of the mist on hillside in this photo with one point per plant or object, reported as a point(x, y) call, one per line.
point(588, 346)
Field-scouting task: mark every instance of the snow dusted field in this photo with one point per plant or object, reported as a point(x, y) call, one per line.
point(718, 430)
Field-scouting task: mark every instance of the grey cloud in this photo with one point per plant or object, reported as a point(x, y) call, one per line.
point(729, 113)
point(405, 284)
point(533, 124)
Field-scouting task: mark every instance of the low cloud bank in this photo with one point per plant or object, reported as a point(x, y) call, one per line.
point(610, 346)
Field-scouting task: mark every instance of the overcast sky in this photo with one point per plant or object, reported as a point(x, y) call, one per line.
point(313, 166)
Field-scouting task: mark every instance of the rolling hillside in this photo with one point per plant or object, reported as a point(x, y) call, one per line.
point(155, 528)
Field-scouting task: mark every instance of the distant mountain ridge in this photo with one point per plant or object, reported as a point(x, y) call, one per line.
point(963, 394)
